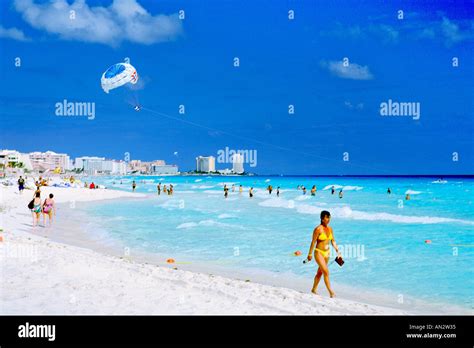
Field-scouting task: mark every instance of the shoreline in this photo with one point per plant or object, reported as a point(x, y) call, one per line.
point(379, 297)
point(17, 231)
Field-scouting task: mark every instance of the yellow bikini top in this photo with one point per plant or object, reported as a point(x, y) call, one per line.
point(323, 236)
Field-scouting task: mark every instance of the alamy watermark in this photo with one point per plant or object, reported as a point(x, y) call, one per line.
point(227, 155)
point(66, 108)
point(23, 251)
point(393, 108)
point(352, 251)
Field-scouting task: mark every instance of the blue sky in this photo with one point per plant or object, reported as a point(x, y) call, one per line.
point(282, 62)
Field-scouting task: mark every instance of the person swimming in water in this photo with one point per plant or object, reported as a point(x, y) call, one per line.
point(332, 190)
point(226, 191)
point(313, 190)
point(251, 192)
point(304, 190)
point(389, 191)
point(407, 197)
point(278, 191)
point(341, 194)
point(134, 186)
point(158, 187)
point(240, 189)
point(322, 234)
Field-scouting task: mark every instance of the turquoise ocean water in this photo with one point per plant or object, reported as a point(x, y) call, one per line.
point(383, 237)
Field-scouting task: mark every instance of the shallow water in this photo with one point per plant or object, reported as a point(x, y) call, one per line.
point(382, 236)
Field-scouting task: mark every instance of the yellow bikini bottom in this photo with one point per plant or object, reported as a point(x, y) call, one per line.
point(325, 253)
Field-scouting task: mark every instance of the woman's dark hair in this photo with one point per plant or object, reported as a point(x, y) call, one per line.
point(325, 213)
point(38, 194)
point(51, 195)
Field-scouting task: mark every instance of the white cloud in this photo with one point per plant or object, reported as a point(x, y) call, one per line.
point(383, 32)
point(352, 71)
point(387, 33)
point(12, 33)
point(123, 20)
point(448, 31)
point(452, 33)
point(349, 105)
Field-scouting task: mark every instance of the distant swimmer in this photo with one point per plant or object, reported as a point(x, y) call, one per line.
point(341, 194)
point(278, 191)
point(304, 190)
point(332, 190)
point(233, 188)
point(313, 190)
point(270, 189)
point(407, 197)
point(389, 191)
point(165, 189)
point(251, 192)
point(170, 191)
point(158, 187)
point(240, 189)
point(322, 234)
point(134, 186)
point(226, 191)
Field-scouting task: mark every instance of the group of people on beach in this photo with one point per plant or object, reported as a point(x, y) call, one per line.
point(167, 191)
point(47, 208)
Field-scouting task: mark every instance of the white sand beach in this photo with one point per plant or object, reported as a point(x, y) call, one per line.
point(40, 276)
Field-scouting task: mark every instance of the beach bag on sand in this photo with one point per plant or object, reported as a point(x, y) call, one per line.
point(31, 205)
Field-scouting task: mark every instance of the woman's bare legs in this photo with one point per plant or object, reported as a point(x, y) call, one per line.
point(317, 278)
point(323, 266)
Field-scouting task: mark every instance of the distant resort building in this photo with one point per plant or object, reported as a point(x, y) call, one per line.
point(14, 159)
point(100, 165)
point(50, 161)
point(154, 167)
point(205, 164)
point(238, 163)
point(168, 169)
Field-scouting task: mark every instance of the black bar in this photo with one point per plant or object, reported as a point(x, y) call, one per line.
point(241, 330)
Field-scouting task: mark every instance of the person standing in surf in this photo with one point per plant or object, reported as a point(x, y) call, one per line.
point(322, 234)
point(21, 184)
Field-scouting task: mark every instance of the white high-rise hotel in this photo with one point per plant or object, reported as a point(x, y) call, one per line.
point(206, 164)
point(238, 163)
point(99, 165)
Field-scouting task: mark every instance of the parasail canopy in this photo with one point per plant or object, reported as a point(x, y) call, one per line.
point(118, 75)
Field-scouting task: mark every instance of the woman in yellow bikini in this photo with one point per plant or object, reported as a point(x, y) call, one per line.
point(321, 237)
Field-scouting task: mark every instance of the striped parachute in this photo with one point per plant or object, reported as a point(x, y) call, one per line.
point(118, 75)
